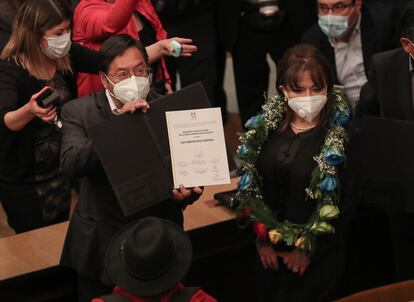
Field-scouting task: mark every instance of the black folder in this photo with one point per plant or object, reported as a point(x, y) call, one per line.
point(388, 162)
point(135, 153)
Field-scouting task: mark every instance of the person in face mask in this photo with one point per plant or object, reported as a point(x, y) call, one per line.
point(125, 76)
point(39, 53)
point(285, 166)
point(348, 33)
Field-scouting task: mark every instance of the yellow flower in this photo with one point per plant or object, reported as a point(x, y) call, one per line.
point(275, 236)
point(328, 211)
point(300, 242)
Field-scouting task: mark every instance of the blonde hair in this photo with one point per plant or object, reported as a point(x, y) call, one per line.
point(32, 20)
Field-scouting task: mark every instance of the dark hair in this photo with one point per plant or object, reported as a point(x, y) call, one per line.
point(116, 46)
point(407, 21)
point(295, 61)
point(16, 3)
point(353, 1)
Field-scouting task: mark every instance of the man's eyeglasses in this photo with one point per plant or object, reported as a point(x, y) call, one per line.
point(336, 9)
point(138, 72)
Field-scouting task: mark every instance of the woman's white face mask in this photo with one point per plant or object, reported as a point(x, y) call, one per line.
point(308, 107)
point(58, 47)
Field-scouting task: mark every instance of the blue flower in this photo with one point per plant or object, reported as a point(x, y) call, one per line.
point(253, 121)
point(333, 157)
point(342, 118)
point(244, 182)
point(242, 151)
point(328, 183)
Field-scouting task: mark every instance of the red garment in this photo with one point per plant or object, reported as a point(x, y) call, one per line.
point(96, 20)
point(199, 296)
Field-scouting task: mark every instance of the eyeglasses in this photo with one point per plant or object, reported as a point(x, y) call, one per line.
point(336, 9)
point(143, 72)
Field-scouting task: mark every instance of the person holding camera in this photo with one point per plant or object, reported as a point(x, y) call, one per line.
point(40, 54)
point(38, 58)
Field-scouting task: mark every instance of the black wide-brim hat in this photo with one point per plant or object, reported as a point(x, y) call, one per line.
point(146, 238)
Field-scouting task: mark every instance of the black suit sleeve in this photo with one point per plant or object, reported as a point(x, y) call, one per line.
point(368, 103)
point(77, 152)
point(84, 59)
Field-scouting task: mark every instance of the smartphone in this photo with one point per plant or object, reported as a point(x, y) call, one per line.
point(48, 98)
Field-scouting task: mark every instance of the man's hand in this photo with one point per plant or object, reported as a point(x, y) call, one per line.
point(183, 193)
point(296, 261)
point(134, 105)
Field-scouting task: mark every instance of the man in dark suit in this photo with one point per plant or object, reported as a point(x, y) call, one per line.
point(98, 215)
point(389, 93)
point(389, 90)
point(348, 33)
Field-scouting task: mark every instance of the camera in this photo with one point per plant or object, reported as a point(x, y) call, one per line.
point(48, 98)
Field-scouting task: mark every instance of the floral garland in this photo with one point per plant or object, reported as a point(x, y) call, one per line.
point(323, 187)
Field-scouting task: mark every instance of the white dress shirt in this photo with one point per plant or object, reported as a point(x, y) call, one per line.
point(114, 109)
point(349, 63)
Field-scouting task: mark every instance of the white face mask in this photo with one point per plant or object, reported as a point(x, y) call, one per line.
point(130, 89)
point(333, 26)
point(308, 107)
point(58, 47)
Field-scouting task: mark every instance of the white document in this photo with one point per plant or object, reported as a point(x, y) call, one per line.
point(198, 148)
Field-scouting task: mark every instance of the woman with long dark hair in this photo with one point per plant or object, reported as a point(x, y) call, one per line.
point(295, 187)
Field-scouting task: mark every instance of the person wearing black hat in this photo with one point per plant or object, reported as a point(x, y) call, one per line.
point(147, 260)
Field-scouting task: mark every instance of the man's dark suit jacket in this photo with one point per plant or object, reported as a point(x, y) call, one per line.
point(97, 215)
point(378, 33)
point(388, 92)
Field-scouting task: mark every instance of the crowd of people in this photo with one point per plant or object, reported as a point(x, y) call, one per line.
point(301, 157)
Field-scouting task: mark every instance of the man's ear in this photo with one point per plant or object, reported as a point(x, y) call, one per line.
point(104, 79)
point(406, 45)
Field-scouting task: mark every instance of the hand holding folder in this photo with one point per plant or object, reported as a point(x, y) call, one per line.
point(134, 150)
